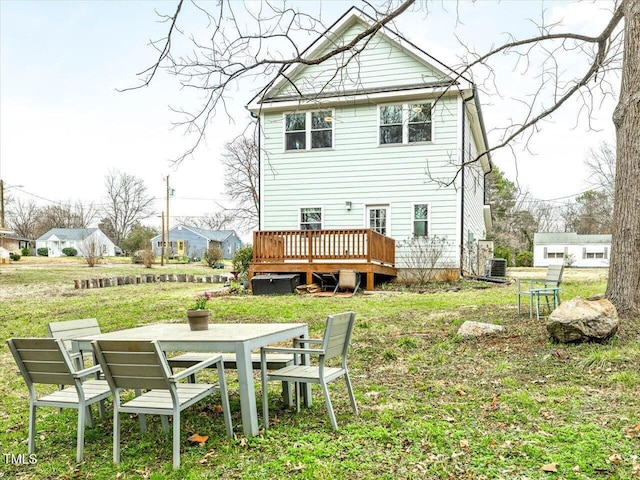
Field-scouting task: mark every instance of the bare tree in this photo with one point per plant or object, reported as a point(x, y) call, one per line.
point(24, 218)
point(220, 220)
point(127, 203)
point(601, 165)
point(65, 215)
point(232, 52)
point(242, 163)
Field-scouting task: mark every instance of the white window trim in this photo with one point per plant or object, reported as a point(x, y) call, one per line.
point(413, 217)
point(307, 133)
point(367, 207)
point(405, 123)
point(310, 206)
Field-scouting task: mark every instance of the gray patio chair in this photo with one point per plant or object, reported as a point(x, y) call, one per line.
point(546, 287)
point(47, 361)
point(333, 345)
point(133, 364)
point(348, 280)
point(68, 330)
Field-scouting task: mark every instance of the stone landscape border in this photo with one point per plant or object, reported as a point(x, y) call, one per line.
point(149, 278)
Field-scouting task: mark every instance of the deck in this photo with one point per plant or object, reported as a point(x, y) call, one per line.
point(312, 252)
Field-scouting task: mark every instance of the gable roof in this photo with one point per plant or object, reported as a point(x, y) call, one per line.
point(210, 235)
point(214, 235)
point(436, 75)
point(67, 234)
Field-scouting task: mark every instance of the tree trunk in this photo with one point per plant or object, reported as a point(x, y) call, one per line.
point(623, 288)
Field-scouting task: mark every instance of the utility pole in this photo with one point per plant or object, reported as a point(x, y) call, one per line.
point(162, 248)
point(2, 203)
point(167, 222)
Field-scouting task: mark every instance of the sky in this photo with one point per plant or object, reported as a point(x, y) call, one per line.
point(65, 124)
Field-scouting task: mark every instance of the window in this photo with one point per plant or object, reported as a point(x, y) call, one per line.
point(421, 220)
point(595, 255)
point(408, 123)
point(391, 124)
point(420, 123)
point(310, 129)
point(310, 218)
point(555, 255)
point(321, 129)
point(295, 131)
point(378, 219)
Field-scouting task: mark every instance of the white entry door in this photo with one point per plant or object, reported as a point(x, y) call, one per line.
point(378, 218)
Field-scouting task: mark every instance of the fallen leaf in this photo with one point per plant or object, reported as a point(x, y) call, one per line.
point(464, 443)
point(615, 458)
point(576, 468)
point(201, 439)
point(550, 467)
point(632, 432)
point(217, 409)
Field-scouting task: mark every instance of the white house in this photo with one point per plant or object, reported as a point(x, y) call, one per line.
point(571, 248)
point(87, 241)
point(194, 242)
point(378, 141)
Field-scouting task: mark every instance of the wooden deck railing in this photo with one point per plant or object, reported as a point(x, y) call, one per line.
point(318, 245)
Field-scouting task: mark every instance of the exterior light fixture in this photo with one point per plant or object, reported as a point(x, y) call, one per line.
point(347, 205)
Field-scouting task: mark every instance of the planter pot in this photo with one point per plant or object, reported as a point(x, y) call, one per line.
point(198, 319)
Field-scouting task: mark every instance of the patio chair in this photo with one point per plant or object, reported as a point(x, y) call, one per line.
point(547, 288)
point(348, 280)
point(68, 330)
point(333, 345)
point(47, 361)
point(133, 364)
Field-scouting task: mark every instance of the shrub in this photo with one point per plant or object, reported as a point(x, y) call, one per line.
point(14, 256)
point(43, 252)
point(70, 252)
point(524, 259)
point(241, 260)
point(503, 252)
point(213, 255)
point(422, 255)
point(26, 252)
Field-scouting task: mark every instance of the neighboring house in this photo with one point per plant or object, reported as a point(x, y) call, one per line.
point(13, 242)
point(194, 242)
point(379, 141)
point(87, 242)
point(571, 248)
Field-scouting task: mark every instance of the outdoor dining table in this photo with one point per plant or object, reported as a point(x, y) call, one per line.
point(239, 338)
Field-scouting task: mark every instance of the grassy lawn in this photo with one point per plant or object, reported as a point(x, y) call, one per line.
point(432, 406)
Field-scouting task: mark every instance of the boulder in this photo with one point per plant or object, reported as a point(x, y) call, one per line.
point(471, 329)
point(593, 319)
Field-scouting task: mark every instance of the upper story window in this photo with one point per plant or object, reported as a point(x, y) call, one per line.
point(308, 130)
point(406, 123)
point(421, 220)
point(311, 218)
point(295, 131)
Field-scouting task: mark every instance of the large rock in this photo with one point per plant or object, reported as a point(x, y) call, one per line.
point(579, 320)
point(471, 329)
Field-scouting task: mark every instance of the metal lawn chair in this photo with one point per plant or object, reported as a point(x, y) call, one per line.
point(547, 288)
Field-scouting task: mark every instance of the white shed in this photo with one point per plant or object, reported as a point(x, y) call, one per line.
point(573, 249)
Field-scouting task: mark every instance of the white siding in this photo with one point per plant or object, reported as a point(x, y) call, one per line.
point(474, 228)
point(377, 66)
point(362, 172)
